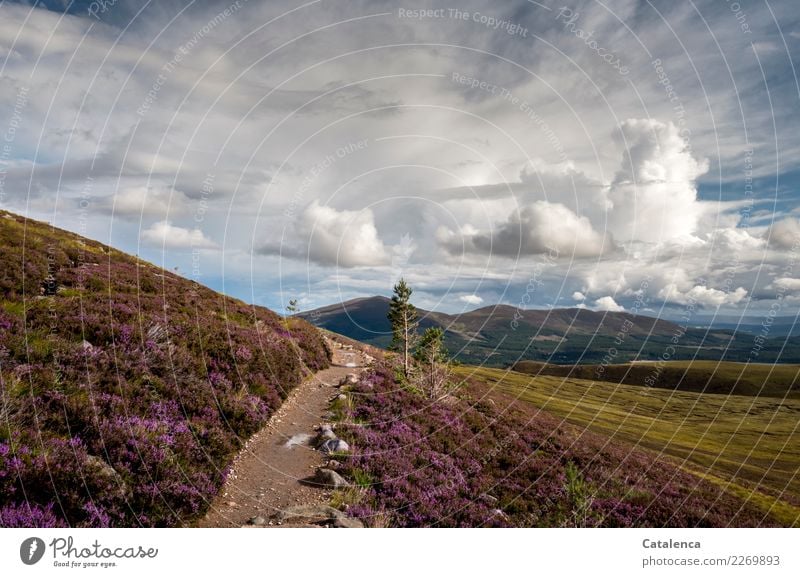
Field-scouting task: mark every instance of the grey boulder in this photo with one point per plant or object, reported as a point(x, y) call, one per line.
point(330, 479)
point(334, 446)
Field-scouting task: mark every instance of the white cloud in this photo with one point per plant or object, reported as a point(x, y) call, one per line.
point(578, 296)
point(702, 295)
point(470, 299)
point(654, 193)
point(607, 303)
point(166, 235)
point(787, 284)
point(737, 240)
point(330, 237)
point(143, 201)
point(785, 234)
point(540, 227)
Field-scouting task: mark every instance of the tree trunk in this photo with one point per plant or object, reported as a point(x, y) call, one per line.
point(405, 344)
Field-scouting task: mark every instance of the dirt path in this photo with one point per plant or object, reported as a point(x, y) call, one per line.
point(267, 473)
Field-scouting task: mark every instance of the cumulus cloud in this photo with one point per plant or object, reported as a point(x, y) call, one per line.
point(470, 299)
point(654, 195)
point(330, 237)
point(143, 201)
point(565, 184)
point(786, 284)
point(702, 295)
point(540, 227)
point(785, 234)
point(165, 234)
point(607, 303)
point(578, 296)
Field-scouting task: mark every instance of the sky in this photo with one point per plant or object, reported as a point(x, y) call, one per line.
point(634, 155)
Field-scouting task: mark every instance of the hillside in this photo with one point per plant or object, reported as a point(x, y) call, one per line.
point(487, 458)
point(126, 389)
point(747, 446)
point(502, 335)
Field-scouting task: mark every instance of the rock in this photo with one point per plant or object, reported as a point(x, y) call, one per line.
point(350, 379)
point(308, 513)
point(341, 397)
point(347, 523)
point(334, 446)
point(330, 479)
point(257, 520)
point(98, 468)
point(325, 434)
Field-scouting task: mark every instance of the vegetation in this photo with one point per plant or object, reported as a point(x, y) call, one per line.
point(480, 461)
point(433, 365)
point(125, 390)
point(748, 446)
point(403, 317)
point(424, 361)
point(756, 380)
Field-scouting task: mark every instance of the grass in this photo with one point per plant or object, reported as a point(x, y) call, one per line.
point(757, 380)
point(749, 445)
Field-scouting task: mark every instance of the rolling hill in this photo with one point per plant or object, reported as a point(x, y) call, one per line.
point(501, 335)
point(126, 390)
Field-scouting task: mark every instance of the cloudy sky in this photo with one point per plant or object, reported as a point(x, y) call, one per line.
point(634, 155)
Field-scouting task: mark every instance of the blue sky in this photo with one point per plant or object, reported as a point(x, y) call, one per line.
point(533, 154)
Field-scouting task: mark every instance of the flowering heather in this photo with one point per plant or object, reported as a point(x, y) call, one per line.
point(476, 463)
point(125, 390)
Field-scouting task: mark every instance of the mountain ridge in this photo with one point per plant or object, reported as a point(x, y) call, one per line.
point(501, 334)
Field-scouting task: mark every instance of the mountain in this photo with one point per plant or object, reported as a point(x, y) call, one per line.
point(501, 335)
point(126, 390)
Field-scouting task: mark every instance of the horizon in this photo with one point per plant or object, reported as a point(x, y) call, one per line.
point(701, 320)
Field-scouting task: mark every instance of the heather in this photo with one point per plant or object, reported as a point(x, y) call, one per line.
point(126, 389)
point(475, 461)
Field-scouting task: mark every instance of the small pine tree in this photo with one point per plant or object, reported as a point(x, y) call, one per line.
point(431, 347)
point(433, 376)
point(403, 317)
point(291, 309)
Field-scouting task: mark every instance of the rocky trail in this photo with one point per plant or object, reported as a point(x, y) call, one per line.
point(281, 476)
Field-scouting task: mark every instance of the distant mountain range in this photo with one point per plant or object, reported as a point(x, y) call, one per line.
point(501, 335)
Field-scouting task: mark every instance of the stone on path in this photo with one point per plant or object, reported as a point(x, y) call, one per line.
point(334, 446)
point(325, 434)
point(347, 523)
point(316, 514)
point(330, 479)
